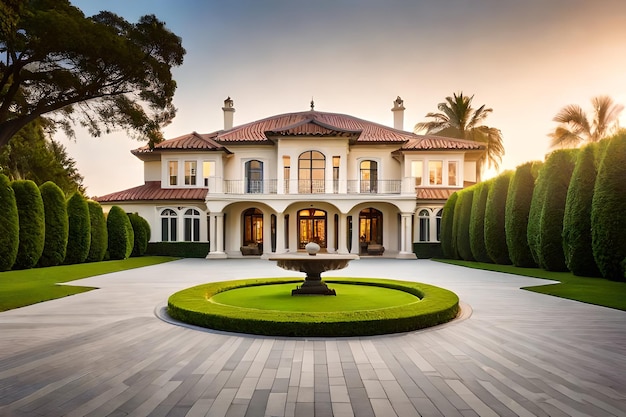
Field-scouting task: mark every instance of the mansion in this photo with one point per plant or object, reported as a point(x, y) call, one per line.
point(273, 185)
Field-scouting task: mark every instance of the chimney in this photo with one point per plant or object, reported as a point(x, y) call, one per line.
point(398, 114)
point(229, 112)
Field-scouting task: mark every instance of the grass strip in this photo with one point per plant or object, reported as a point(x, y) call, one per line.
point(31, 286)
point(591, 290)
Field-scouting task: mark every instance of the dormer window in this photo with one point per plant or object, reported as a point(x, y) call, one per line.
point(173, 172)
point(191, 168)
point(435, 172)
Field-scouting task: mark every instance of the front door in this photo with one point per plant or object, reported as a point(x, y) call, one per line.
point(311, 227)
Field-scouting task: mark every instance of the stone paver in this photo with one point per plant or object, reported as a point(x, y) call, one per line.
point(106, 352)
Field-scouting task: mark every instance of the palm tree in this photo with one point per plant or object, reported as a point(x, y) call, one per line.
point(575, 128)
point(458, 119)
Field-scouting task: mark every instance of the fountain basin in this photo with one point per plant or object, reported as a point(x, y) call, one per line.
point(313, 265)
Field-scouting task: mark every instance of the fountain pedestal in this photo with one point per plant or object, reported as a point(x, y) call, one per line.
point(313, 265)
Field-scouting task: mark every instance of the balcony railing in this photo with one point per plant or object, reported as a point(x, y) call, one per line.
point(273, 186)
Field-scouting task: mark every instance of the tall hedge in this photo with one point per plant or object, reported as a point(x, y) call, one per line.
point(9, 225)
point(477, 222)
point(120, 231)
point(141, 231)
point(56, 225)
point(80, 230)
point(608, 211)
point(559, 167)
point(495, 236)
point(518, 201)
point(462, 213)
point(32, 225)
point(534, 213)
point(447, 238)
point(99, 236)
point(577, 218)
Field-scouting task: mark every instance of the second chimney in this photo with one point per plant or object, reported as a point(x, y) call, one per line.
point(398, 114)
point(229, 112)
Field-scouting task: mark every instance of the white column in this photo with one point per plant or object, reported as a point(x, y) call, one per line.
point(356, 246)
point(280, 233)
point(343, 234)
point(217, 236)
point(406, 225)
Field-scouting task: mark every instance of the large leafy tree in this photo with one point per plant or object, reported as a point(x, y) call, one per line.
point(575, 127)
point(101, 72)
point(458, 119)
point(30, 155)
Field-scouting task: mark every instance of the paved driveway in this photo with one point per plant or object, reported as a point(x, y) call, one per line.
point(105, 352)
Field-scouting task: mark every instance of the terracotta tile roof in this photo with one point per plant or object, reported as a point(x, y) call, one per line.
point(151, 191)
point(431, 142)
point(431, 193)
point(312, 122)
point(193, 140)
point(439, 193)
point(312, 127)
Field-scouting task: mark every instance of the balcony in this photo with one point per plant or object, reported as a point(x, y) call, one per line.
point(300, 187)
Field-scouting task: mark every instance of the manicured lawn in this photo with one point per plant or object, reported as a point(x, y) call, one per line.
point(30, 286)
point(348, 298)
point(590, 290)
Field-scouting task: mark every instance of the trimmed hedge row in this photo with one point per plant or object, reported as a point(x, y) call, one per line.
point(9, 225)
point(141, 232)
point(120, 231)
point(517, 210)
point(495, 237)
point(577, 238)
point(558, 172)
point(559, 215)
point(477, 222)
point(31, 221)
point(99, 235)
point(461, 223)
point(608, 211)
point(437, 306)
point(427, 250)
point(447, 237)
point(179, 249)
point(38, 227)
point(56, 225)
point(80, 230)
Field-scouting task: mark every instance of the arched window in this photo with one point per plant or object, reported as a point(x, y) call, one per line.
point(369, 176)
point(169, 221)
point(253, 226)
point(439, 214)
point(192, 225)
point(254, 176)
point(311, 174)
point(424, 219)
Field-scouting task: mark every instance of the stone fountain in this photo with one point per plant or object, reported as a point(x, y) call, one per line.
point(313, 265)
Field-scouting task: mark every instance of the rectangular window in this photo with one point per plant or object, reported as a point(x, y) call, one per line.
point(208, 171)
point(452, 170)
point(417, 171)
point(336, 174)
point(190, 172)
point(287, 172)
point(435, 173)
point(173, 172)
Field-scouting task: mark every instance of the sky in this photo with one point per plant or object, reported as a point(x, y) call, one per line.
point(524, 59)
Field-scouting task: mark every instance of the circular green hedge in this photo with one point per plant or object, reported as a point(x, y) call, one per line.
point(432, 306)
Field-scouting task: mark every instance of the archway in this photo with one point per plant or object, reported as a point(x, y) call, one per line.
point(370, 228)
